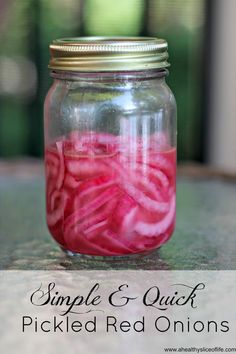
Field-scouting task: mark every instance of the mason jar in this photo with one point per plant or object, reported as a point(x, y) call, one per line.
point(110, 146)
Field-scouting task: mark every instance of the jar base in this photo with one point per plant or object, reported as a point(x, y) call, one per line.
point(121, 258)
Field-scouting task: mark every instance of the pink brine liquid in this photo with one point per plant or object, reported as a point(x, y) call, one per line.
point(109, 195)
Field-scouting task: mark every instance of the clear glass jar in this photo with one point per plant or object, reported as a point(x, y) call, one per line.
point(110, 146)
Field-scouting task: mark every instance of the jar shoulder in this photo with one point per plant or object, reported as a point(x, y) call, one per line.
point(153, 95)
point(119, 108)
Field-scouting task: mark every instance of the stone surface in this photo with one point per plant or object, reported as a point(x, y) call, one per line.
point(205, 236)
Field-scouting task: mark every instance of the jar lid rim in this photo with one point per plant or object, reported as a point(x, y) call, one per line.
point(108, 53)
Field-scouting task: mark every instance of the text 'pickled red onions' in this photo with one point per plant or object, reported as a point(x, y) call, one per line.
point(110, 195)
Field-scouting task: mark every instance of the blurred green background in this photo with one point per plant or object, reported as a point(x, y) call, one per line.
point(28, 26)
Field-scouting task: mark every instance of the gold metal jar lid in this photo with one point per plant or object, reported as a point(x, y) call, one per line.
point(106, 54)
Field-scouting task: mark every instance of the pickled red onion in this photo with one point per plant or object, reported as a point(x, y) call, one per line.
point(106, 198)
